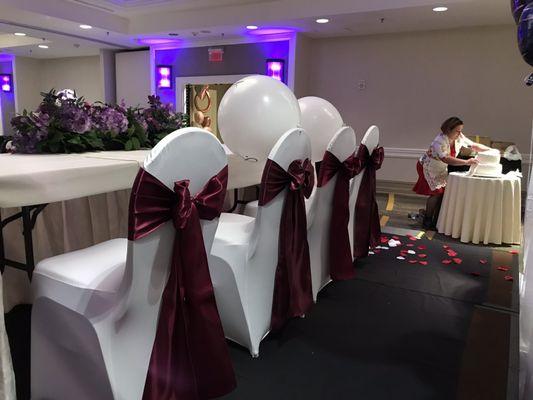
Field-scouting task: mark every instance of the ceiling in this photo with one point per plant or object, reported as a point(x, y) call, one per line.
point(126, 23)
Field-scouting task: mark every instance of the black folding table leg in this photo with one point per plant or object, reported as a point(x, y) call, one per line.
point(2, 252)
point(27, 228)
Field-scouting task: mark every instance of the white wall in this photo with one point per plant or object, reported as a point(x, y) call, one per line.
point(416, 80)
point(133, 77)
point(83, 74)
point(27, 83)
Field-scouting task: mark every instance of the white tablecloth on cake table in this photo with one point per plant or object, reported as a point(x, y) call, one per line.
point(481, 210)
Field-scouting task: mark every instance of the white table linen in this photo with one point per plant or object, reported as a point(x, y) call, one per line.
point(88, 196)
point(481, 210)
point(29, 179)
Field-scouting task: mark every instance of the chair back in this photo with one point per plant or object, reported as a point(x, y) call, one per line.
point(342, 146)
point(263, 253)
point(189, 153)
point(371, 141)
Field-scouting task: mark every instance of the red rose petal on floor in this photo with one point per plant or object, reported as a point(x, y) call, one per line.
point(412, 238)
point(377, 251)
point(452, 253)
point(475, 273)
point(508, 278)
point(423, 262)
point(413, 261)
point(422, 255)
point(457, 260)
point(409, 244)
point(396, 237)
point(446, 262)
point(421, 247)
point(483, 261)
point(445, 247)
point(384, 240)
point(503, 268)
point(513, 251)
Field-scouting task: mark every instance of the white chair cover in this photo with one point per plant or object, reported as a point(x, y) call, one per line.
point(7, 377)
point(371, 141)
point(95, 311)
point(342, 145)
point(244, 257)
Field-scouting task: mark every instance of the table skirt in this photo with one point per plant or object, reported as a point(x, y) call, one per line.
point(481, 210)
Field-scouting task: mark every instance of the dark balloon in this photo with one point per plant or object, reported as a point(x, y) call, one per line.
point(525, 34)
point(517, 7)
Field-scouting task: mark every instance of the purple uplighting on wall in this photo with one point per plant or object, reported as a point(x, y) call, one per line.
point(274, 69)
point(164, 76)
point(6, 82)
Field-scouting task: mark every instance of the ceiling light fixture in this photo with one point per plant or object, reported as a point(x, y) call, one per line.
point(43, 46)
point(440, 9)
point(251, 27)
point(19, 34)
point(83, 26)
point(322, 21)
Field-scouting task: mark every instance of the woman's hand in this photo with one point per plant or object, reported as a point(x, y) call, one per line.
point(471, 161)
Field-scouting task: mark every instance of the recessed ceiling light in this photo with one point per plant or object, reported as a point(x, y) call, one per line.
point(440, 9)
point(322, 21)
point(19, 34)
point(83, 26)
point(251, 27)
point(173, 34)
point(43, 46)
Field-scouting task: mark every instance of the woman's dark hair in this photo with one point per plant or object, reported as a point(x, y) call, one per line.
point(450, 124)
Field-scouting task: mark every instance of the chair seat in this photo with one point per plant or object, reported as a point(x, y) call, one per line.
point(234, 229)
point(99, 267)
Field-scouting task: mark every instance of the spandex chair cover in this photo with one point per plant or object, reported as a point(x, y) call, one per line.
point(329, 243)
point(101, 314)
point(364, 228)
point(245, 263)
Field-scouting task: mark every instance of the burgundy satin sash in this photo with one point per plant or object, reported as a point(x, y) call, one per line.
point(190, 358)
point(367, 229)
point(339, 252)
point(293, 293)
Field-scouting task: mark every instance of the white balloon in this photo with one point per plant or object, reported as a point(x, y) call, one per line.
point(254, 113)
point(321, 121)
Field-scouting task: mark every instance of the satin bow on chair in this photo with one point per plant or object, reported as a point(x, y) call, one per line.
point(190, 358)
point(292, 288)
point(367, 229)
point(339, 252)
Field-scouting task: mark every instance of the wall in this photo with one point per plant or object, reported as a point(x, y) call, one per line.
point(248, 58)
point(133, 77)
point(7, 99)
point(301, 68)
point(108, 73)
point(83, 74)
point(416, 80)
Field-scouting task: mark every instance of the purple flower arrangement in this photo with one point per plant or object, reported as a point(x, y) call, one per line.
point(66, 125)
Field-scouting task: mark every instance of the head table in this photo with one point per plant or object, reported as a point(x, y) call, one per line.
point(481, 210)
point(86, 198)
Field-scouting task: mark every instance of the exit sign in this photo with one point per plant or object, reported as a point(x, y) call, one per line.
point(216, 54)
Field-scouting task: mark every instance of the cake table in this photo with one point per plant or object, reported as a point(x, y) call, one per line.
point(481, 209)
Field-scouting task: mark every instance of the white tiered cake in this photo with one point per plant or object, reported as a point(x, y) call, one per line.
point(489, 163)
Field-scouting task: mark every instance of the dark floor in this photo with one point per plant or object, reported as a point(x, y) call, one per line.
point(399, 330)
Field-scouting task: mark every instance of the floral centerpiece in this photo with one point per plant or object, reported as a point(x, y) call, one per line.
point(71, 125)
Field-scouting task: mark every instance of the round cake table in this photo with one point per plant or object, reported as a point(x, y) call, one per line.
point(481, 210)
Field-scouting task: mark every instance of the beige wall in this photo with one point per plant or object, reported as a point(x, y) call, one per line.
point(83, 74)
point(415, 80)
point(133, 77)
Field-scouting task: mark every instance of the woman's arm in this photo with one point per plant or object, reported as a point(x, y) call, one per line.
point(477, 147)
point(457, 161)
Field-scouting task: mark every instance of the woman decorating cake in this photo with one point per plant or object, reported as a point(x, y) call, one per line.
point(432, 167)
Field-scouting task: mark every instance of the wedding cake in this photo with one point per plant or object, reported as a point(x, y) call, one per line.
point(489, 163)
